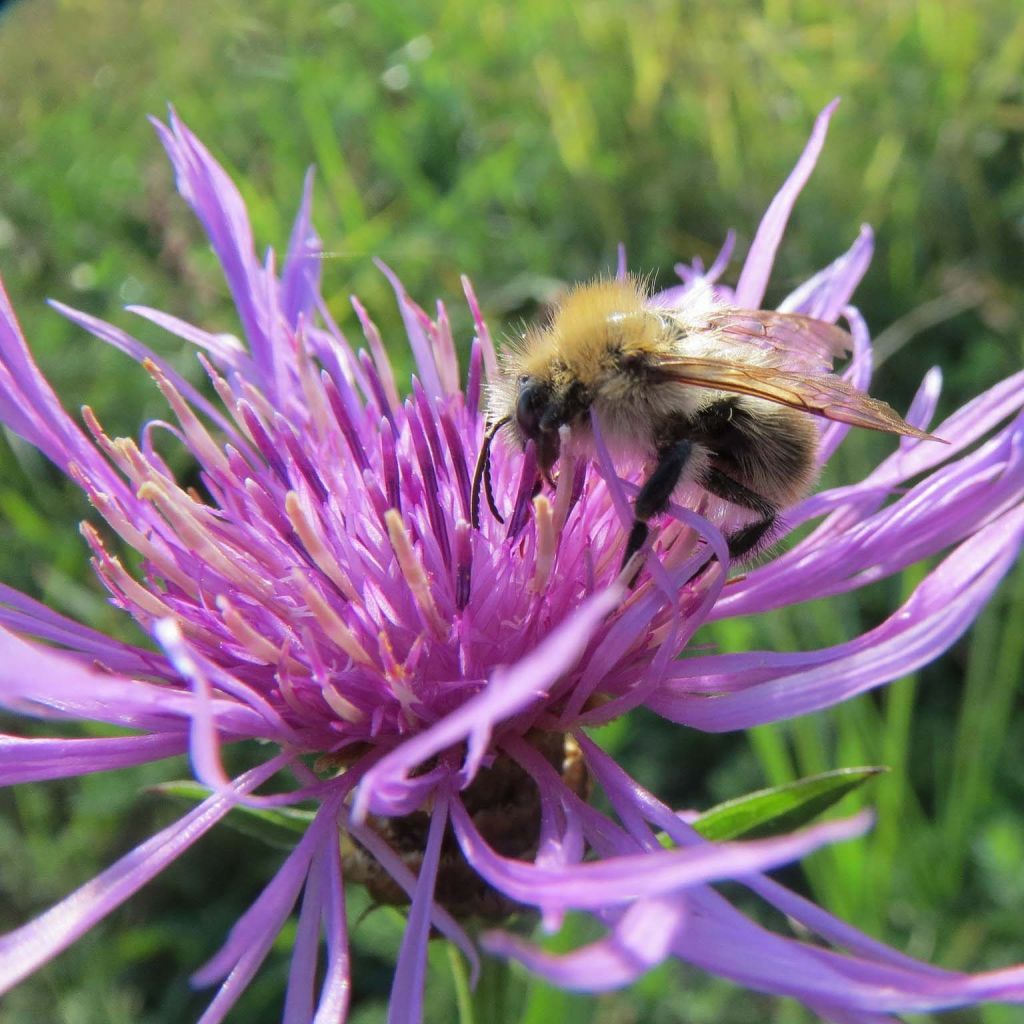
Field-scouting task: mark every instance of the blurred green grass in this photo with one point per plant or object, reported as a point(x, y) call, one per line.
point(520, 145)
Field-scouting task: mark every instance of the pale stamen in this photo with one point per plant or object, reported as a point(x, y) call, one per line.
point(312, 389)
point(563, 487)
point(109, 566)
point(547, 542)
point(258, 646)
point(412, 569)
point(151, 546)
point(316, 547)
point(227, 396)
point(204, 447)
point(180, 512)
point(329, 621)
point(344, 709)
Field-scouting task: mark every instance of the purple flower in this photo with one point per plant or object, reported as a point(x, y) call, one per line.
point(326, 593)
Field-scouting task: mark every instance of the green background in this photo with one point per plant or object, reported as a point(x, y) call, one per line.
point(519, 144)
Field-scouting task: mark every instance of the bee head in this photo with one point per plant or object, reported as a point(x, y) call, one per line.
point(533, 407)
point(539, 415)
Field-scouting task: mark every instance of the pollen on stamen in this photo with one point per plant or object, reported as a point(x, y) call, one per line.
point(316, 548)
point(329, 621)
point(397, 677)
point(258, 646)
point(100, 435)
point(204, 447)
point(147, 544)
point(118, 578)
point(172, 504)
point(413, 571)
point(547, 542)
point(133, 463)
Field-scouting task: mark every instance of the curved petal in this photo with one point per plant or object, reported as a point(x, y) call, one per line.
point(758, 266)
point(29, 947)
point(406, 1002)
point(32, 760)
point(386, 790)
point(35, 680)
point(596, 885)
point(939, 611)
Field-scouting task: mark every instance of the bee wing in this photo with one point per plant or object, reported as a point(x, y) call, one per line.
point(828, 396)
point(804, 341)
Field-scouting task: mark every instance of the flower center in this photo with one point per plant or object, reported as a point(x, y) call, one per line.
point(505, 805)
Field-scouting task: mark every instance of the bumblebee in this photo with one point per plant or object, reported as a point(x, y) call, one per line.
point(718, 397)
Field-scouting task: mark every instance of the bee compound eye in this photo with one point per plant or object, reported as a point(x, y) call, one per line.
point(530, 408)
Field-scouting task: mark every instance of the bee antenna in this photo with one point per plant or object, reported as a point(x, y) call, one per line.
point(482, 475)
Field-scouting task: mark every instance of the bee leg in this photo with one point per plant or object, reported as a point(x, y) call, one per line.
point(747, 538)
point(656, 491)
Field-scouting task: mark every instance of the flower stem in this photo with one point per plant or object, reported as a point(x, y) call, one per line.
point(463, 997)
point(492, 999)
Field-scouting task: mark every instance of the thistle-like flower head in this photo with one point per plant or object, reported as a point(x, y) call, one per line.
point(430, 684)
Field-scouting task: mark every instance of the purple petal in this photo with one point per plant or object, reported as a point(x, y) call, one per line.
point(598, 885)
point(298, 1001)
point(26, 615)
point(140, 353)
point(258, 926)
point(422, 350)
point(826, 294)
point(226, 350)
point(218, 204)
point(337, 985)
point(758, 266)
point(29, 947)
point(204, 742)
point(482, 333)
point(766, 962)
point(254, 932)
point(641, 939)
point(37, 681)
point(858, 373)
point(406, 1003)
point(857, 544)
point(31, 409)
point(393, 864)
point(386, 788)
point(832, 930)
point(300, 275)
point(31, 760)
point(937, 614)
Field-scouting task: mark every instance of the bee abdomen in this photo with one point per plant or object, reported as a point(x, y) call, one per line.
point(767, 447)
